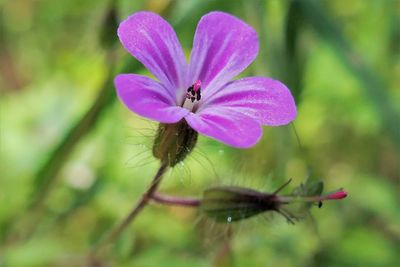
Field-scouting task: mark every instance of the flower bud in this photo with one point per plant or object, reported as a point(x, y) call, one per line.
point(174, 142)
point(230, 204)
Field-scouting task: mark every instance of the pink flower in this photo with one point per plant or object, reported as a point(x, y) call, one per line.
point(202, 92)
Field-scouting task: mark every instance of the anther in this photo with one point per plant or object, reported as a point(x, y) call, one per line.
point(193, 94)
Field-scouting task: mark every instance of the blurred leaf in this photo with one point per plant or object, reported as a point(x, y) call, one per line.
point(46, 175)
point(295, 58)
point(108, 28)
point(359, 248)
point(373, 85)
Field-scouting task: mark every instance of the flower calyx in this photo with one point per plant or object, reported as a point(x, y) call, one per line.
point(174, 142)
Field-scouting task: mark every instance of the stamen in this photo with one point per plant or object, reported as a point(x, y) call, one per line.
point(193, 95)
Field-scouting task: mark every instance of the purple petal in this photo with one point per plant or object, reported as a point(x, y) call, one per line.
point(148, 98)
point(223, 47)
point(226, 125)
point(151, 40)
point(267, 100)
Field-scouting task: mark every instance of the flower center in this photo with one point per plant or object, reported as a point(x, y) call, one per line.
point(193, 95)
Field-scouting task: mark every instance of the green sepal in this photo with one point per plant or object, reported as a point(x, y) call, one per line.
point(174, 142)
point(230, 204)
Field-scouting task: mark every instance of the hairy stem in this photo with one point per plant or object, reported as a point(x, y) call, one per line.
point(176, 201)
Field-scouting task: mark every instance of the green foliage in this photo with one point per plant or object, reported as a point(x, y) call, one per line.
point(73, 160)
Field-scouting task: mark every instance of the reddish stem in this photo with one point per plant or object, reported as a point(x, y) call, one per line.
point(176, 201)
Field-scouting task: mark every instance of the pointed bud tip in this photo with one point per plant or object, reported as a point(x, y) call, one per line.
point(338, 195)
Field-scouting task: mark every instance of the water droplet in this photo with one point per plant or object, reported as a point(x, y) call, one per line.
point(229, 219)
point(221, 151)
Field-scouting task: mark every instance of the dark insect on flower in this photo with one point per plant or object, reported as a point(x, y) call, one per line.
point(230, 204)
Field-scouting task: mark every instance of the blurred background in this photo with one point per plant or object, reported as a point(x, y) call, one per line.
point(74, 160)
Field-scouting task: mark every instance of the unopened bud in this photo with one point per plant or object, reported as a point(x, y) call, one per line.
point(229, 204)
point(174, 142)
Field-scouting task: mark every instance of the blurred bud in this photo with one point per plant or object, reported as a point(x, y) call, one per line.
point(109, 26)
point(174, 142)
